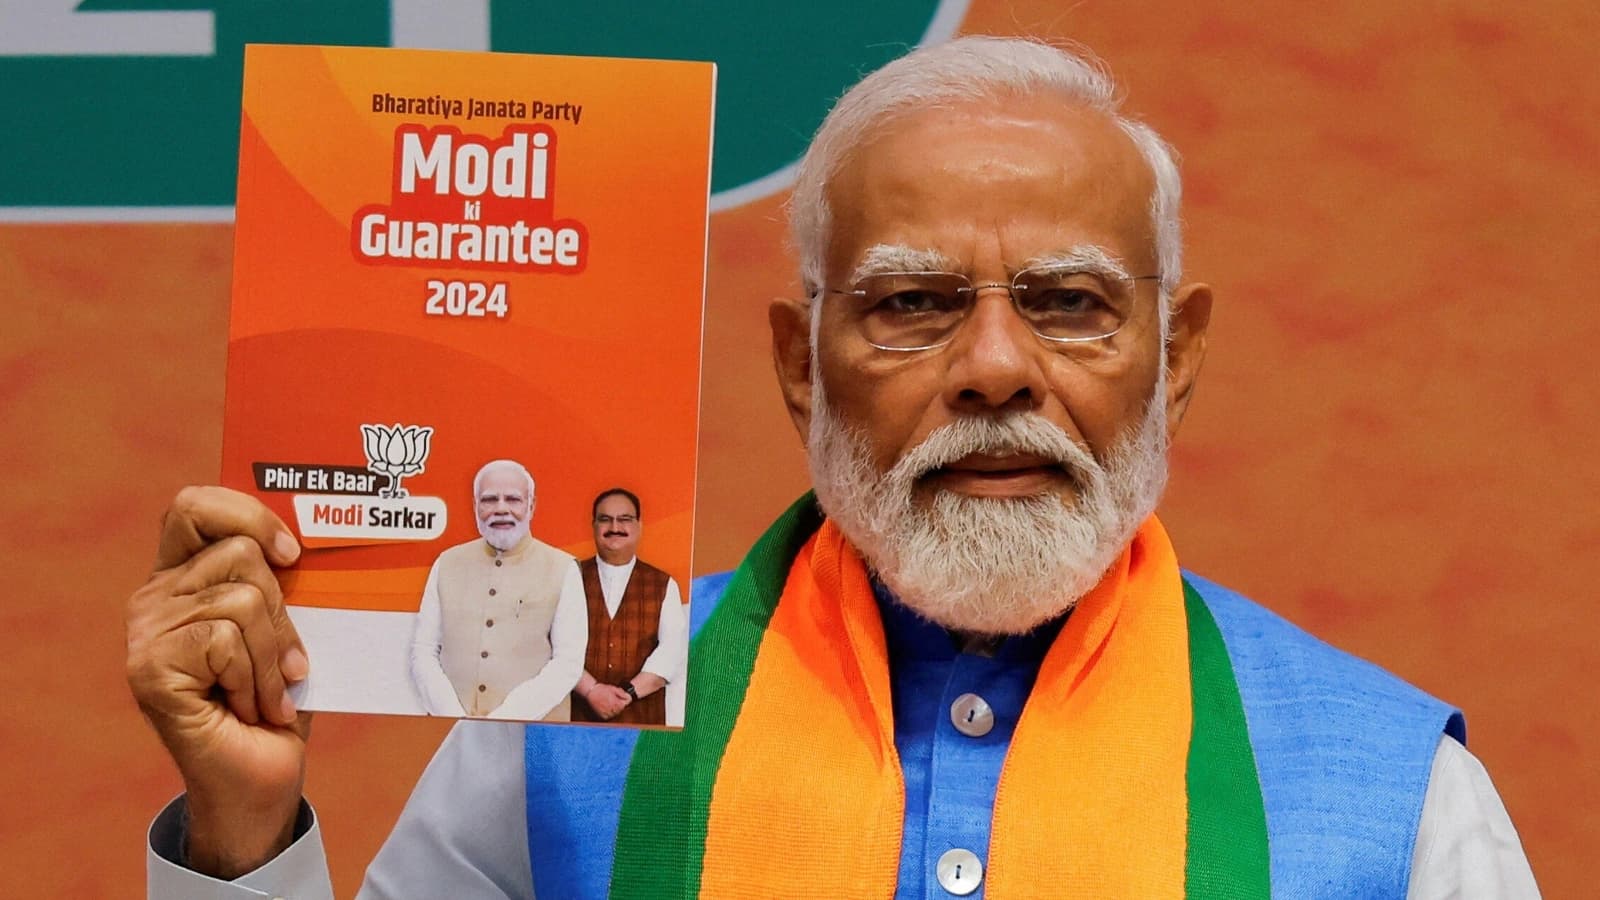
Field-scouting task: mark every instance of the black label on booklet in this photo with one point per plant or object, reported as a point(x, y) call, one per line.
point(310, 478)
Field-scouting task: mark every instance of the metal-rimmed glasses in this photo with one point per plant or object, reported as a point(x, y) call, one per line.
point(910, 311)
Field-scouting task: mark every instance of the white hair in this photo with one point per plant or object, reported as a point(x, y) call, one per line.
point(513, 465)
point(980, 564)
point(967, 69)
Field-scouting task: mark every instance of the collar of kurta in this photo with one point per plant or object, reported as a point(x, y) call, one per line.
point(1129, 774)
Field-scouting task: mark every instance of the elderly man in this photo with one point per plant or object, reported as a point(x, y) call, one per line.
point(637, 634)
point(972, 663)
point(501, 628)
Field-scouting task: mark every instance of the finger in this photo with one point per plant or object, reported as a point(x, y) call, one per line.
point(228, 662)
point(231, 559)
point(165, 602)
point(202, 515)
point(242, 606)
point(238, 559)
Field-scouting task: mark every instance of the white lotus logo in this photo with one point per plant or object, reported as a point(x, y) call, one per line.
point(395, 451)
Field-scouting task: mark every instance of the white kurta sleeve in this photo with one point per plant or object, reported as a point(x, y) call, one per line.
point(433, 687)
point(1466, 845)
point(301, 871)
point(464, 832)
point(569, 639)
point(672, 636)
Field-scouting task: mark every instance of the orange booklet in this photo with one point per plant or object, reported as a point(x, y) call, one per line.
point(467, 303)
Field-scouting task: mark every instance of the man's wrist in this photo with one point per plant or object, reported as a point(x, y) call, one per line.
point(633, 693)
point(226, 846)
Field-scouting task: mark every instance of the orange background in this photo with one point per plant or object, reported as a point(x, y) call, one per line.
point(1392, 444)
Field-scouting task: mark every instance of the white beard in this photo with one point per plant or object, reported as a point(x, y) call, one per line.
point(504, 540)
point(981, 564)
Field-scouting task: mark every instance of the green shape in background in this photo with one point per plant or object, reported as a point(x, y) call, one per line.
point(780, 66)
point(150, 131)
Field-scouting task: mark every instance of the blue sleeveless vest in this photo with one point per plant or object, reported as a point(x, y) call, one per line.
point(1343, 752)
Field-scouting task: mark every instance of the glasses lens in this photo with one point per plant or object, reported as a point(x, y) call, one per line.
point(1065, 305)
point(911, 309)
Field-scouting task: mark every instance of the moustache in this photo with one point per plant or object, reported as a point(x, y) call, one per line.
point(615, 534)
point(1022, 434)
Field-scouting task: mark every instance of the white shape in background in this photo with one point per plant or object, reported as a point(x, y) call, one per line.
point(46, 215)
point(57, 28)
point(430, 25)
point(361, 662)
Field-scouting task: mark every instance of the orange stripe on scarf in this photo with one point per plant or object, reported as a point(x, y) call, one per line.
point(1093, 799)
point(809, 796)
point(809, 800)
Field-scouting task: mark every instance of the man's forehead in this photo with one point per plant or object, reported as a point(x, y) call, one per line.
point(502, 481)
point(616, 504)
point(1035, 169)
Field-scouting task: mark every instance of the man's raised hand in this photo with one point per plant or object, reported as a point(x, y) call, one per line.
point(210, 652)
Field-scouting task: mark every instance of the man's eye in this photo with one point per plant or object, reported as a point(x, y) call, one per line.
point(911, 302)
point(1065, 301)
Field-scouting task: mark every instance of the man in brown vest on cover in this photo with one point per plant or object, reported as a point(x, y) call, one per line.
point(638, 636)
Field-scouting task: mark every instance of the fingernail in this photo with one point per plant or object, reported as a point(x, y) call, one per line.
point(294, 665)
point(288, 708)
point(287, 548)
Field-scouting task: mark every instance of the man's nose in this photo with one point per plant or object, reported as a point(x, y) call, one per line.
point(995, 361)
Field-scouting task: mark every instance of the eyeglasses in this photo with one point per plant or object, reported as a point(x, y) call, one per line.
point(619, 520)
point(909, 311)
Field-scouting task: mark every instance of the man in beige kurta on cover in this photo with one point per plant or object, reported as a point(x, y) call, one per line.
point(502, 625)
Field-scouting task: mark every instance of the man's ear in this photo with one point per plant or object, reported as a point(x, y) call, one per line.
point(791, 356)
point(1186, 348)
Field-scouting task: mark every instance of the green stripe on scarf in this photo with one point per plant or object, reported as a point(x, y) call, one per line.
point(1227, 853)
point(661, 832)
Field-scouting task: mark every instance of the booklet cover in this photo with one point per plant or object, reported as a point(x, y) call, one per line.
point(464, 366)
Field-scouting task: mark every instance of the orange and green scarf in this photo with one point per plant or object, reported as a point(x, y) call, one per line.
point(1130, 772)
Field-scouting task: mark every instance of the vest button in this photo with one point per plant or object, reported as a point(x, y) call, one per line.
point(959, 871)
point(482, 688)
point(489, 623)
point(484, 654)
point(491, 592)
point(972, 715)
point(498, 563)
